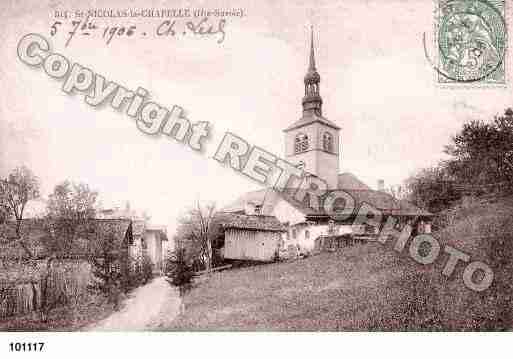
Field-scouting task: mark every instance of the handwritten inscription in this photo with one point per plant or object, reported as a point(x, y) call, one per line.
point(112, 25)
point(204, 27)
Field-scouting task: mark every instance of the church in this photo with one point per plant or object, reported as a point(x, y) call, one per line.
point(258, 223)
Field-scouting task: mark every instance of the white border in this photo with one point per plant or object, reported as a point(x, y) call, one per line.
point(262, 345)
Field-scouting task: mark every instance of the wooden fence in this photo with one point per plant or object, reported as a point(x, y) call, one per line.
point(67, 284)
point(334, 242)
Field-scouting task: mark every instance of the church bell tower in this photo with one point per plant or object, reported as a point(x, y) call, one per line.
point(313, 141)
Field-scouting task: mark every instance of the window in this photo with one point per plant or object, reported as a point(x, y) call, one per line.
point(327, 142)
point(301, 165)
point(301, 143)
point(258, 209)
point(307, 234)
point(294, 233)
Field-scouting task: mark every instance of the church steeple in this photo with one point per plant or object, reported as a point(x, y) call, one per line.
point(313, 140)
point(312, 101)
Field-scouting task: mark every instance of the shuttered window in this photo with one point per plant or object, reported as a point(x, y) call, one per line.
point(301, 143)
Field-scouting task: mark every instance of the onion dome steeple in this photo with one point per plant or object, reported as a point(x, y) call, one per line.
point(312, 101)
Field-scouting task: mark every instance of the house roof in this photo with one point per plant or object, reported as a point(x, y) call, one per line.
point(36, 237)
point(254, 197)
point(358, 190)
point(251, 222)
point(311, 118)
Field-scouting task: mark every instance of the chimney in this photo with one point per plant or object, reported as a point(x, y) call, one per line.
point(381, 185)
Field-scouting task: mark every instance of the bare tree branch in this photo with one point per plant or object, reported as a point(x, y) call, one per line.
point(194, 232)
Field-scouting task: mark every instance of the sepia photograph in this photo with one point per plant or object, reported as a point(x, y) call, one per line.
point(331, 167)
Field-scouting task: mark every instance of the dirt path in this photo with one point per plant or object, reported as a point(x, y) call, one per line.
point(149, 307)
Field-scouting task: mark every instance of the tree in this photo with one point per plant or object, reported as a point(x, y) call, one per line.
point(71, 214)
point(71, 210)
point(70, 217)
point(397, 191)
point(481, 151)
point(432, 188)
point(481, 160)
point(179, 270)
point(20, 187)
point(106, 258)
point(196, 231)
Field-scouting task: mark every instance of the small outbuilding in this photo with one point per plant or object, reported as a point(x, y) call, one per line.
point(252, 237)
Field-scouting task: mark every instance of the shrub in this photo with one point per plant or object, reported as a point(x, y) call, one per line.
point(134, 276)
point(179, 270)
point(146, 269)
point(141, 272)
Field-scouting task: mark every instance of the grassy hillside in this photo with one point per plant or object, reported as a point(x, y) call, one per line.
point(347, 290)
point(484, 230)
point(366, 287)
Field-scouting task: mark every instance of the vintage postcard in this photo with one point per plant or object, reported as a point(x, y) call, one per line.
point(262, 166)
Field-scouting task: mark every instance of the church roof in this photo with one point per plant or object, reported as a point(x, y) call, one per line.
point(348, 182)
point(311, 118)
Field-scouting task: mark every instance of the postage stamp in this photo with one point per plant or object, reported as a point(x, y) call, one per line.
point(471, 38)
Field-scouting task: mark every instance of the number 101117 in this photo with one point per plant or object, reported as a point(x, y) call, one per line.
point(26, 347)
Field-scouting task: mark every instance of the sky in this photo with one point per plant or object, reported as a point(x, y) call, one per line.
point(376, 84)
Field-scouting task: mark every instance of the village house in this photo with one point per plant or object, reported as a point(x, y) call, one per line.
point(147, 239)
point(313, 144)
point(138, 235)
